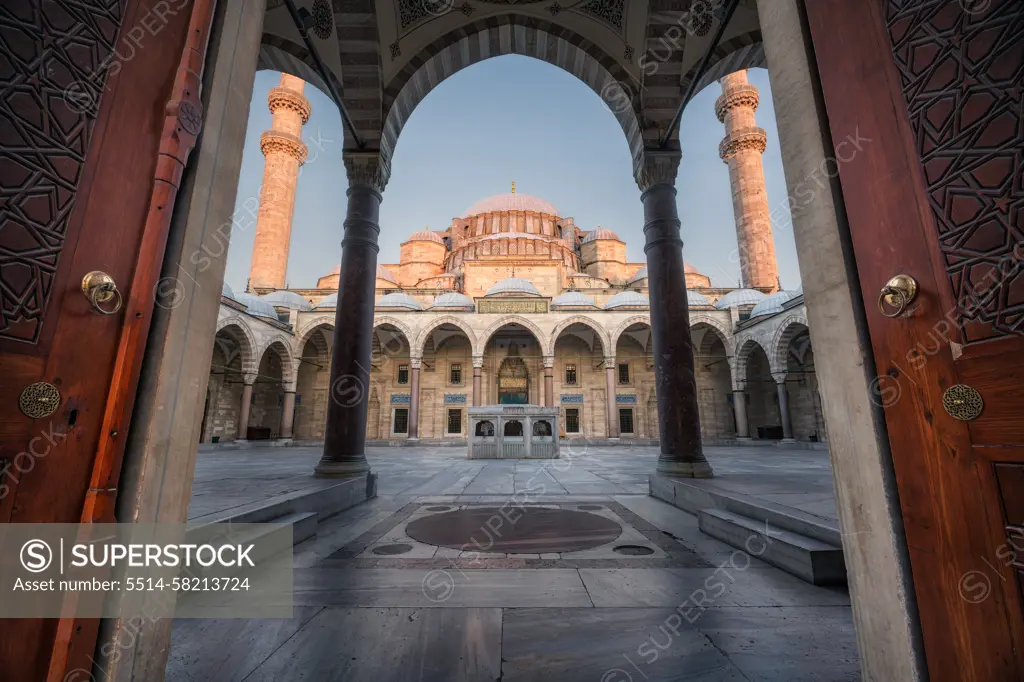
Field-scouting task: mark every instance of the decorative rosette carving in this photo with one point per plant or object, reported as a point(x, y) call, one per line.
point(743, 140)
point(283, 98)
point(275, 141)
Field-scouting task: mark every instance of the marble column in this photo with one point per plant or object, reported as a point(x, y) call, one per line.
point(414, 399)
point(288, 415)
point(549, 381)
point(345, 434)
point(242, 435)
point(675, 381)
point(478, 396)
point(609, 391)
point(787, 422)
point(739, 404)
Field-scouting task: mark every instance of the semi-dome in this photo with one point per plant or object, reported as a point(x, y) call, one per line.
point(425, 236)
point(287, 299)
point(640, 274)
point(399, 300)
point(330, 301)
point(385, 274)
point(695, 298)
point(770, 305)
point(226, 291)
point(739, 297)
point(452, 300)
point(599, 233)
point(510, 202)
point(256, 306)
point(627, 299)
point(513, 285)
point(572, 298)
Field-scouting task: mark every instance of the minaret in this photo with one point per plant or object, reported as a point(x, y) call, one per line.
point(742, 148)
point(285, 151)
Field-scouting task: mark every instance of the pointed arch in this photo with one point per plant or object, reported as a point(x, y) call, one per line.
point(789, 329)
point(745, 345)
point(540, 336)
point(247, 346)
point(626, 324)
point(421, 340)
point(287, 354)
point(407, 331)
point(584, 320)
point(720, 329)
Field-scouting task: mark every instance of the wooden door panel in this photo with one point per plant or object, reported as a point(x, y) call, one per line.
point(932, 87)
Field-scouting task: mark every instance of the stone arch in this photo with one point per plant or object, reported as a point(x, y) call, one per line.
point(744, 51)
point(584, 320)
point(720, 329)
point(505, 34)
point(287, 354)
point(421, 340)
point(410, 336)
point(281, 54)
point(745, 345)
point(306, 330)
point(541, 337)
point(626, 324)
point(780, 341)
point(246, 341)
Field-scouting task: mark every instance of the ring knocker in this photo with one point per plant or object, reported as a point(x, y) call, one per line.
point(896, 295)
point(102, 292)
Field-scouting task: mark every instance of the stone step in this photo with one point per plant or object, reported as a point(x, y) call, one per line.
point(695, 495)
point(812, 560)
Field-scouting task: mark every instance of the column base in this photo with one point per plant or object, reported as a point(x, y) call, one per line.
point(678, 469)
point(343, 469)
point(241, 441)
point(281, 442)
point(789, 440)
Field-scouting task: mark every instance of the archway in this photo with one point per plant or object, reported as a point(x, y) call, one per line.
point(447, 385)
point(275, 370)
point(393, 372)
point(806, 416)
point(632, 399)
point(714, 383)
point(763, 415)
point(580, 348)
point(512, 366)
point(313, 382)
point(232, 358)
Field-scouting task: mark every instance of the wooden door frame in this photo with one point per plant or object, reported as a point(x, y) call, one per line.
point(944, 485)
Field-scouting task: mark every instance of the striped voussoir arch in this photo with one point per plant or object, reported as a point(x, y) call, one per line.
point(736, 54)
point(512, 34)
point(280, 54)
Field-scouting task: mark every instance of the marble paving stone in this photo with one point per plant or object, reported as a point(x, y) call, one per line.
point(227, 650)
point(450, 587)
point(608, 645)
point(390, 645)
point(707, 587)
point(783, 644)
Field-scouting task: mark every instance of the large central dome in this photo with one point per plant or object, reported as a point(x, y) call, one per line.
point(510, 202)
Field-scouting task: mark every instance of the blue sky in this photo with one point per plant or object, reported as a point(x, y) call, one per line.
point(504, 119)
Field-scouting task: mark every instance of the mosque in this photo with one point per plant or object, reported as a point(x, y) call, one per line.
point(512, 303)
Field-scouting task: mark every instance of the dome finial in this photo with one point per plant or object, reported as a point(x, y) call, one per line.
point(513, 187)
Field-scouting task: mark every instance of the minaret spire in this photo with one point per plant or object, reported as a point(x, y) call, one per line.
point(513, 187)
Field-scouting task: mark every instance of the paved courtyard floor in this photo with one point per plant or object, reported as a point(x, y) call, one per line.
point(379, 598)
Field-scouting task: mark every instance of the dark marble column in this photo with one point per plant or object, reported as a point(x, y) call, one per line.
point(414, 400)
point(345, 434)
point(675, 382)
point(243, 409)
point(478, 364)
point(549, 381)
point(787, 423)
point(739, 404)
point(609, 390)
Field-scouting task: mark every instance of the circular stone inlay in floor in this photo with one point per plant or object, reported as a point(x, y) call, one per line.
point(633, 550)
point(390, 550)
point(435, 509)
point(532, 530)
point(589, 507)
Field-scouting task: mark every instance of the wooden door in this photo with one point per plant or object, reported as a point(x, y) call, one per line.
point(99, 106)
point(924, 102)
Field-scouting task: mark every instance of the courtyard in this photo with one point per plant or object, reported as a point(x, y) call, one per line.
point(638, 592)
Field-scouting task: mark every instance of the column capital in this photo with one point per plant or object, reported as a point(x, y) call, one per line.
point(415, 362)
point(549, 362)
point(367, 169)
point(609, 361)
point(780, 377)
point(249, 379)
point(659, 167)
point(478, 361)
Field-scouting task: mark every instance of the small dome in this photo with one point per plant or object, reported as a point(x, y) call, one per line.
point(399, 301)
point(452, 300)
point(770, 305)
point(627, 299)
point(695, 298)
point(572, 298)
point(600, 233)
point(426, 236)
point(510, 202)
point(513, 285)
point(640, 274)
point(383, 273)
point(738, 297)
point(256, 306)
point(226, 292)
point(328, 302)
point(287, 299)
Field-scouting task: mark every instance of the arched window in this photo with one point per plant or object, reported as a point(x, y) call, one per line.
point(513, 428)
point(484, 429)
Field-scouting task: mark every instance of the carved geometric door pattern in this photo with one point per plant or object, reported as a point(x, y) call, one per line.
point(961, 64)
point(54, 61)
